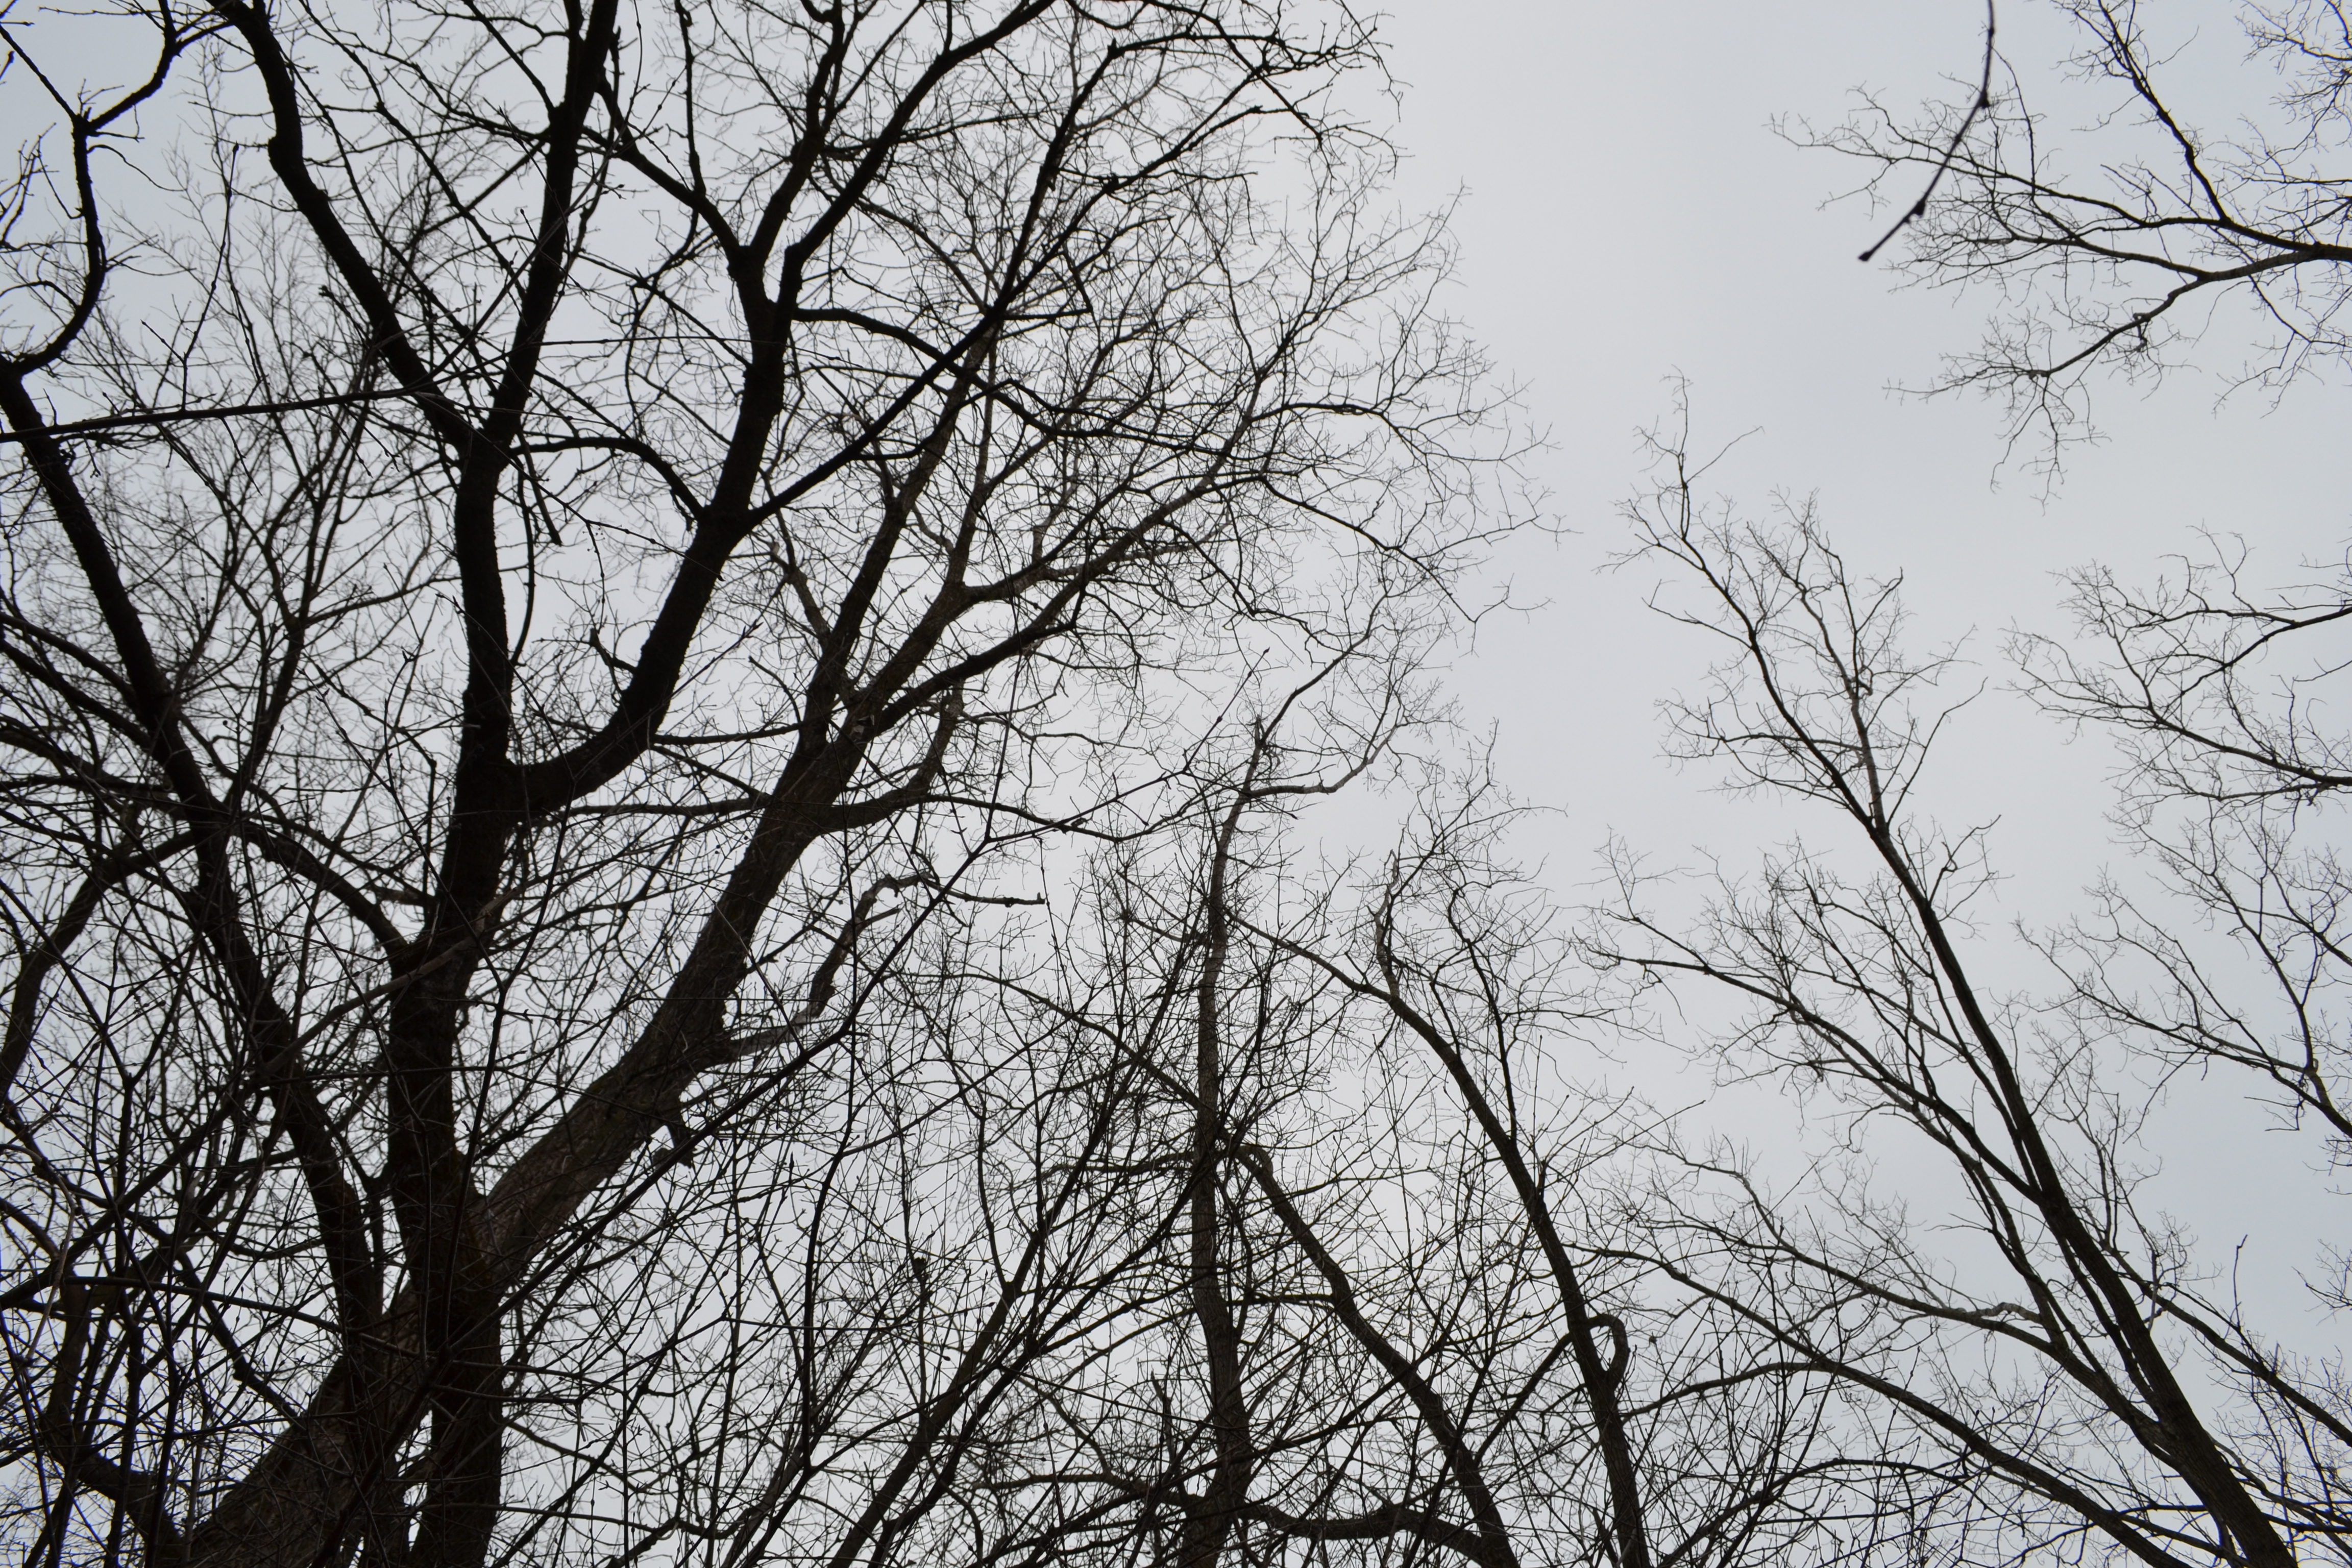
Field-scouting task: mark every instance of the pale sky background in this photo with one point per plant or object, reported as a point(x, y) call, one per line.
point(1627, 212)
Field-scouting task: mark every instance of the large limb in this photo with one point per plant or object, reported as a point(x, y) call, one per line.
point(307, 1492)
point(429, 1176)
point(725, 519)
point(1492, 1542)
point(1212, 1519)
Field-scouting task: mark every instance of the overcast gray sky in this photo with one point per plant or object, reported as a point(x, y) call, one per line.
point(1627, 213)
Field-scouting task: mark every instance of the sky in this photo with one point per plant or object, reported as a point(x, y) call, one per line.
point(1626, 213)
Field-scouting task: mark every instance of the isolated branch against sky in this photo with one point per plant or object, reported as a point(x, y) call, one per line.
point(561, 566)
point(2109, 234)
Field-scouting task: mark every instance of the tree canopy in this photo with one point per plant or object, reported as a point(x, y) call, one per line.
point(667, 679)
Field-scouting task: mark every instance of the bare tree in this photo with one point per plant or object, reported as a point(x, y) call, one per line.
point(2065, 1359)
point(563, 565)
point(2076, 1365)
point(1262, 1408)
point(1390, 1307)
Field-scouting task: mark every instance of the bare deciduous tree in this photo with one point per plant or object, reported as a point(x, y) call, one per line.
point(564, 566)
point(2083, 1373)
point(2064, 1359)
point(1404, 1314)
